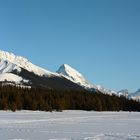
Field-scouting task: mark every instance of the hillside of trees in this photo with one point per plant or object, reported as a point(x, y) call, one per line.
point(17, 98)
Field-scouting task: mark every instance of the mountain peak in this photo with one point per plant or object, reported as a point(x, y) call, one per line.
point(138, 90)
point(73, 75)
point(123, 92)
point(67, 70)
point(11, 57)
point(22, 62)
point(67, 66)
point(137, 93)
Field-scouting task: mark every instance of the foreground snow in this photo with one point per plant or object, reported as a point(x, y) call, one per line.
point(69, 125)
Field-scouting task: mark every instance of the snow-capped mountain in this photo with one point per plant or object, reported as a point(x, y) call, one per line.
point(6, 68)
point(8, 62)
point(135, 95)
point(105, 90)
point(73, 75)
point(76, 77)
point(123, 92)
point(20, 71)
point(9, 77)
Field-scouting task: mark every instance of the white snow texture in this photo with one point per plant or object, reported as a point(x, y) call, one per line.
point(69, 125)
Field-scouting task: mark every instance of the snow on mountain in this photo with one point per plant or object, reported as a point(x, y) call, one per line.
point(9, 62)
point(74, 76)
point(6, 66)
point(123, 92)
point(135, 95)
point(105, 91)
point(9, 77)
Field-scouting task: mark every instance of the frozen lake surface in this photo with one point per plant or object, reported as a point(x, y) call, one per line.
point(69, 125)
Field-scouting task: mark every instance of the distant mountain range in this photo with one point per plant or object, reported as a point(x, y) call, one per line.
point(20, 71)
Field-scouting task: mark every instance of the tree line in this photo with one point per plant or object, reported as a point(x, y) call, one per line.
point(17, 98)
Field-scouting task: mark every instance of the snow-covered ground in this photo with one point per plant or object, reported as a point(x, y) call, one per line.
point(69, 125)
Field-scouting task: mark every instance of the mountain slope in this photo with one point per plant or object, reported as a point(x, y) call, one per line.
point(22, 67)
point(10, 61)
point(51, 82)
point(6, 66)
point(19, 70)
point(135, 95)
point(76, 77)
point(73, 75)
point(12, 78)
point(123, 92)
point(105, 90)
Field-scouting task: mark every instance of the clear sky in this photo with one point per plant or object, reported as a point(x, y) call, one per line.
point(100, 38)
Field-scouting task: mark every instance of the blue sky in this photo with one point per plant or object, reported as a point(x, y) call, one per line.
point(100, 38)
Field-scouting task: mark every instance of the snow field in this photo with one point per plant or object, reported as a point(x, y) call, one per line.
point(69, 125)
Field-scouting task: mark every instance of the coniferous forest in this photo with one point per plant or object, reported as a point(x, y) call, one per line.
point(17, 98)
